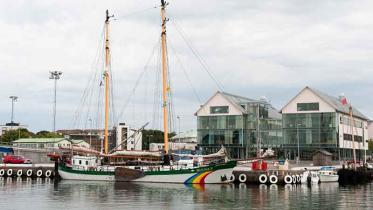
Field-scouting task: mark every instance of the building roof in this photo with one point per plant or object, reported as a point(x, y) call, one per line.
point(337, 104)
point(74, 141)
point(237, 101)
point(324, 152)
point(186, 134)
point(333, 102)
point(39, 140)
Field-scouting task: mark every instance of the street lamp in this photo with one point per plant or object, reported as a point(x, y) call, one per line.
point(298, 158)
point(90, 133)
point(14, 99)
point(56, 75)
point(178, 118)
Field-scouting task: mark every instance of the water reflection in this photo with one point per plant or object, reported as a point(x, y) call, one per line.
point(49, 194)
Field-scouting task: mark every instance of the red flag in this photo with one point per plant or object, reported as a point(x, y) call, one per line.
point(344, 100)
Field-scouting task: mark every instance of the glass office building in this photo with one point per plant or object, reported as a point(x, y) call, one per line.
point(314, 121)
point(238, 123)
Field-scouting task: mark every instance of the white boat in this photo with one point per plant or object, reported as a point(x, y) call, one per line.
point(328, 174)
point(310, 177)
point(304, 177)
point(313, 177)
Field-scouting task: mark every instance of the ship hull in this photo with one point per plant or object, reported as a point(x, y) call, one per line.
point(217, 174)
point(328, 178)
point(70, 174)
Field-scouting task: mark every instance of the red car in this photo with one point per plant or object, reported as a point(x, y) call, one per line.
point(15, 159)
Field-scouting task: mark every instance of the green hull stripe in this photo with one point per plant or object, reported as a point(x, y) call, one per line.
point(69, 170)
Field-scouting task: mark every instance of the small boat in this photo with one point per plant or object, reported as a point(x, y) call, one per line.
point(309, 177)
point(305, 176)
point(328, 174)
point(313, 178)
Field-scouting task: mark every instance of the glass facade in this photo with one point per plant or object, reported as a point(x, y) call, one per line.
point(312, 130)
point(239, 133)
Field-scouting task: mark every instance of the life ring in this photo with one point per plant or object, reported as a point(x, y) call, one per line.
point(263, 178)
point(294, 179)
point(9, 172)
point(39, 173)
point(242, 178)
point(29, 172)
point(298, 178)
point(2, 172)
point(48, 173)
point(273, 179)
point(232, 178)
point(19, 172)
point(288, 179)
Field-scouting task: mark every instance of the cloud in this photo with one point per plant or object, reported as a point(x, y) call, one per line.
point(252, 48)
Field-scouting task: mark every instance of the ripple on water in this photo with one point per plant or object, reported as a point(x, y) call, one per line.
point(47, 194)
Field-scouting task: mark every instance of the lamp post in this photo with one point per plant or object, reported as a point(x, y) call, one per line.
point(56, 75)
point(90, 133)
point(298, 158)
point(178, 118)
point(14, 99)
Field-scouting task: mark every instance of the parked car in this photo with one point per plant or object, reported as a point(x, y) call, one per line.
point(16, 159)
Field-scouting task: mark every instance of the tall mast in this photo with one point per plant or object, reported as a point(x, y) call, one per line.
point(106, 75)
point(164, 79)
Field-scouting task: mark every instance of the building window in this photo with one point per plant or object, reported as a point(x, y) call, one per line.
point(219, 109)
point(307, 106)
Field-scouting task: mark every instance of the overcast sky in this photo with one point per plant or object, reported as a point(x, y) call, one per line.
point(252, 48)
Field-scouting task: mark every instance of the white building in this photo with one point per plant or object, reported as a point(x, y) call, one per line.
point(238, 123)
point(42, 143)
point(185, 137)
point(314, 120)
point(370, 130)
point(10, 126)
point(128, 138)
point(173, 146)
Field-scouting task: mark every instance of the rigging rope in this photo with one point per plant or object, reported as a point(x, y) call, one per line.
point(128, 100)
point(91, 83)
point(196, 54)
point(185, 72)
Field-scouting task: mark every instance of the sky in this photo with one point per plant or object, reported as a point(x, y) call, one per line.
point(250, 48)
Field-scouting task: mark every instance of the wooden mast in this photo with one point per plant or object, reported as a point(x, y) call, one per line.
point(164, 81)
point(107, 80)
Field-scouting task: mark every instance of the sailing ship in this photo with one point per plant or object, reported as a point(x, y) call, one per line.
point(216, 170)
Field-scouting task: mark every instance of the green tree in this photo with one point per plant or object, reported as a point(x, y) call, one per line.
point(153, 136)
point(9, 136)
point(370, 145)
point(47, 134)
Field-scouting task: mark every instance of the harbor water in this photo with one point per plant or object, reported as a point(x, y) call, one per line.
point(40, 194)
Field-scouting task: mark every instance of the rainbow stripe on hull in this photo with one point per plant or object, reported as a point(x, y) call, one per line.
point(198, 178)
